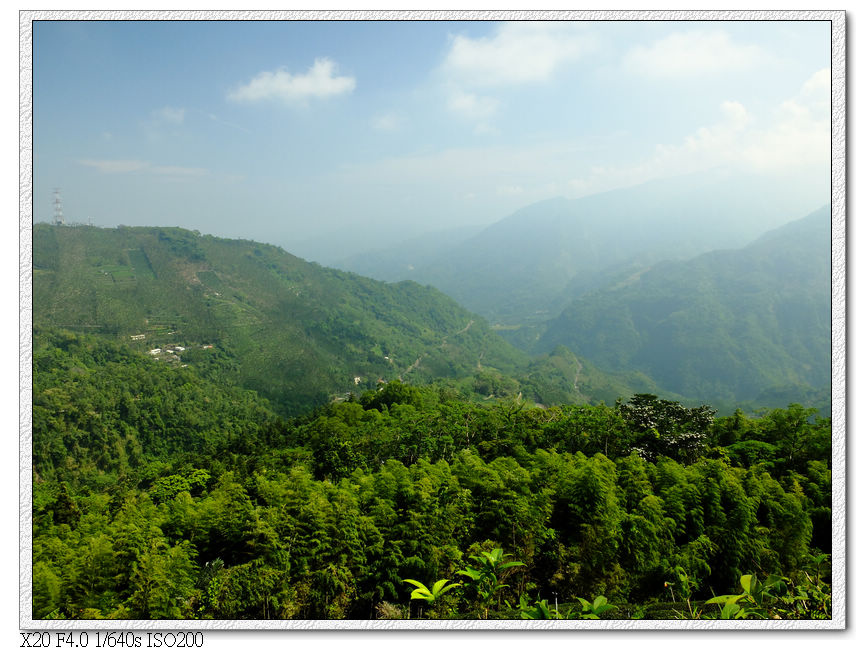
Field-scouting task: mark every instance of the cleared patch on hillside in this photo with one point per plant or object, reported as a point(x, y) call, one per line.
point(140, 263)
point(210, 280)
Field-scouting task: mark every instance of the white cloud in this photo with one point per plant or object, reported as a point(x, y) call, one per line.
point(472, 106)
point(514, 54)
point(519, 52)
point(115, 166)
point(509, 190)
point(173, 170)
point(794, 136)
point(169, 115)
point(816, 93)
point(689, 54)
point(800, 132)
point(388, 122)
point(319, 82)
point(820, 83)
point(734, 113)
point(709, 145)
point(131, 166)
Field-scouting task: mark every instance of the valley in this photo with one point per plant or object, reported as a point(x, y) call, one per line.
point(296, 333)
point(304, 441)
point(478, 320)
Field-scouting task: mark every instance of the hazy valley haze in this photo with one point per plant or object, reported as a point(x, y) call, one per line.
point(334, 138)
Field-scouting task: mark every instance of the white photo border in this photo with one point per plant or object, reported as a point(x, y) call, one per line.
point(839, 317)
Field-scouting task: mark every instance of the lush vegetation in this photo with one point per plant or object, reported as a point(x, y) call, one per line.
point(222, 430)
point(161, 493)
point(747, 327)
point(691, 290)
point(251, 315)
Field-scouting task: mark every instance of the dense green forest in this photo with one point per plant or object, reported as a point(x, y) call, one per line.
point(748, 327)
point(161, 493)
point(253, 316)
point(683, 285)
point(743, 328)
point(491, 316)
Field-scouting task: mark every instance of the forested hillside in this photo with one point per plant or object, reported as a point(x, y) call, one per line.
point(158, 494)
point(251, 315)
point(477, 319)
point(222, 430)
point(527, 267)
point(746, 326)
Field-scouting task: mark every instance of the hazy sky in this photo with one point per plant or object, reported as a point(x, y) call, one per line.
point(377, 131)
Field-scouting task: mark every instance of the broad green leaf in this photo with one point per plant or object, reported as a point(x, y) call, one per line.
point(730, 611)
point(471, 573)
point(729, 598)
point(540, 610)
point(422, 594)
point(749, 583)
point(508, 565)
point(417, 584)
point(422, 591)
point(776, 582)
point(439, 587)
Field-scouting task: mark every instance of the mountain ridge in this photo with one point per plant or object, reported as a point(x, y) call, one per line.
point(527, 266)
point(260, 318)
point(737, 323)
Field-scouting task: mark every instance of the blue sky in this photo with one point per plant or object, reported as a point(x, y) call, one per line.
point(372, 132)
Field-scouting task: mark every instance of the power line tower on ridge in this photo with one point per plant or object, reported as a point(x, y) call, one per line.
point(58, 209)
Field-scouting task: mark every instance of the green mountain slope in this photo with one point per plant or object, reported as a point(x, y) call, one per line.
point(751, 324)
point(293, 331)
point(99, 406)
point(527, 267)
point(254, 316)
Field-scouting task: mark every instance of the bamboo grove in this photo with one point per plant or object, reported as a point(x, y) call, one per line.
point(160, 494)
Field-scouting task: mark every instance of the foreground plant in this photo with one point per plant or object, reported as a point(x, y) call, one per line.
point(488, 574)
point(594, 609)
point(540, 610)
point(431, 595)
point(778, 597)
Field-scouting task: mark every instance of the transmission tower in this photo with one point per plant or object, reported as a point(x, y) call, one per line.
point(58, 209)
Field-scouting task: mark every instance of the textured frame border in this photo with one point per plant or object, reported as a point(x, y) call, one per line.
point(839, 317)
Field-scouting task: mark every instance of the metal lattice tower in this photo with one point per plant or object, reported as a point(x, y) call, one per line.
point(58, 209)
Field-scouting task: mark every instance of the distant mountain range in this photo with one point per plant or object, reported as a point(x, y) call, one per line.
point(746, 325)
point(606, 292)
point(527, 267)
point(404, 260)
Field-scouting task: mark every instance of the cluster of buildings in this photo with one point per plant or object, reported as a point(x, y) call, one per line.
point(170, 349)
point(170, 353)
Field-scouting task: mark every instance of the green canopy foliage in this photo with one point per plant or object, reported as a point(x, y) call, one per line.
point(159, 493)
